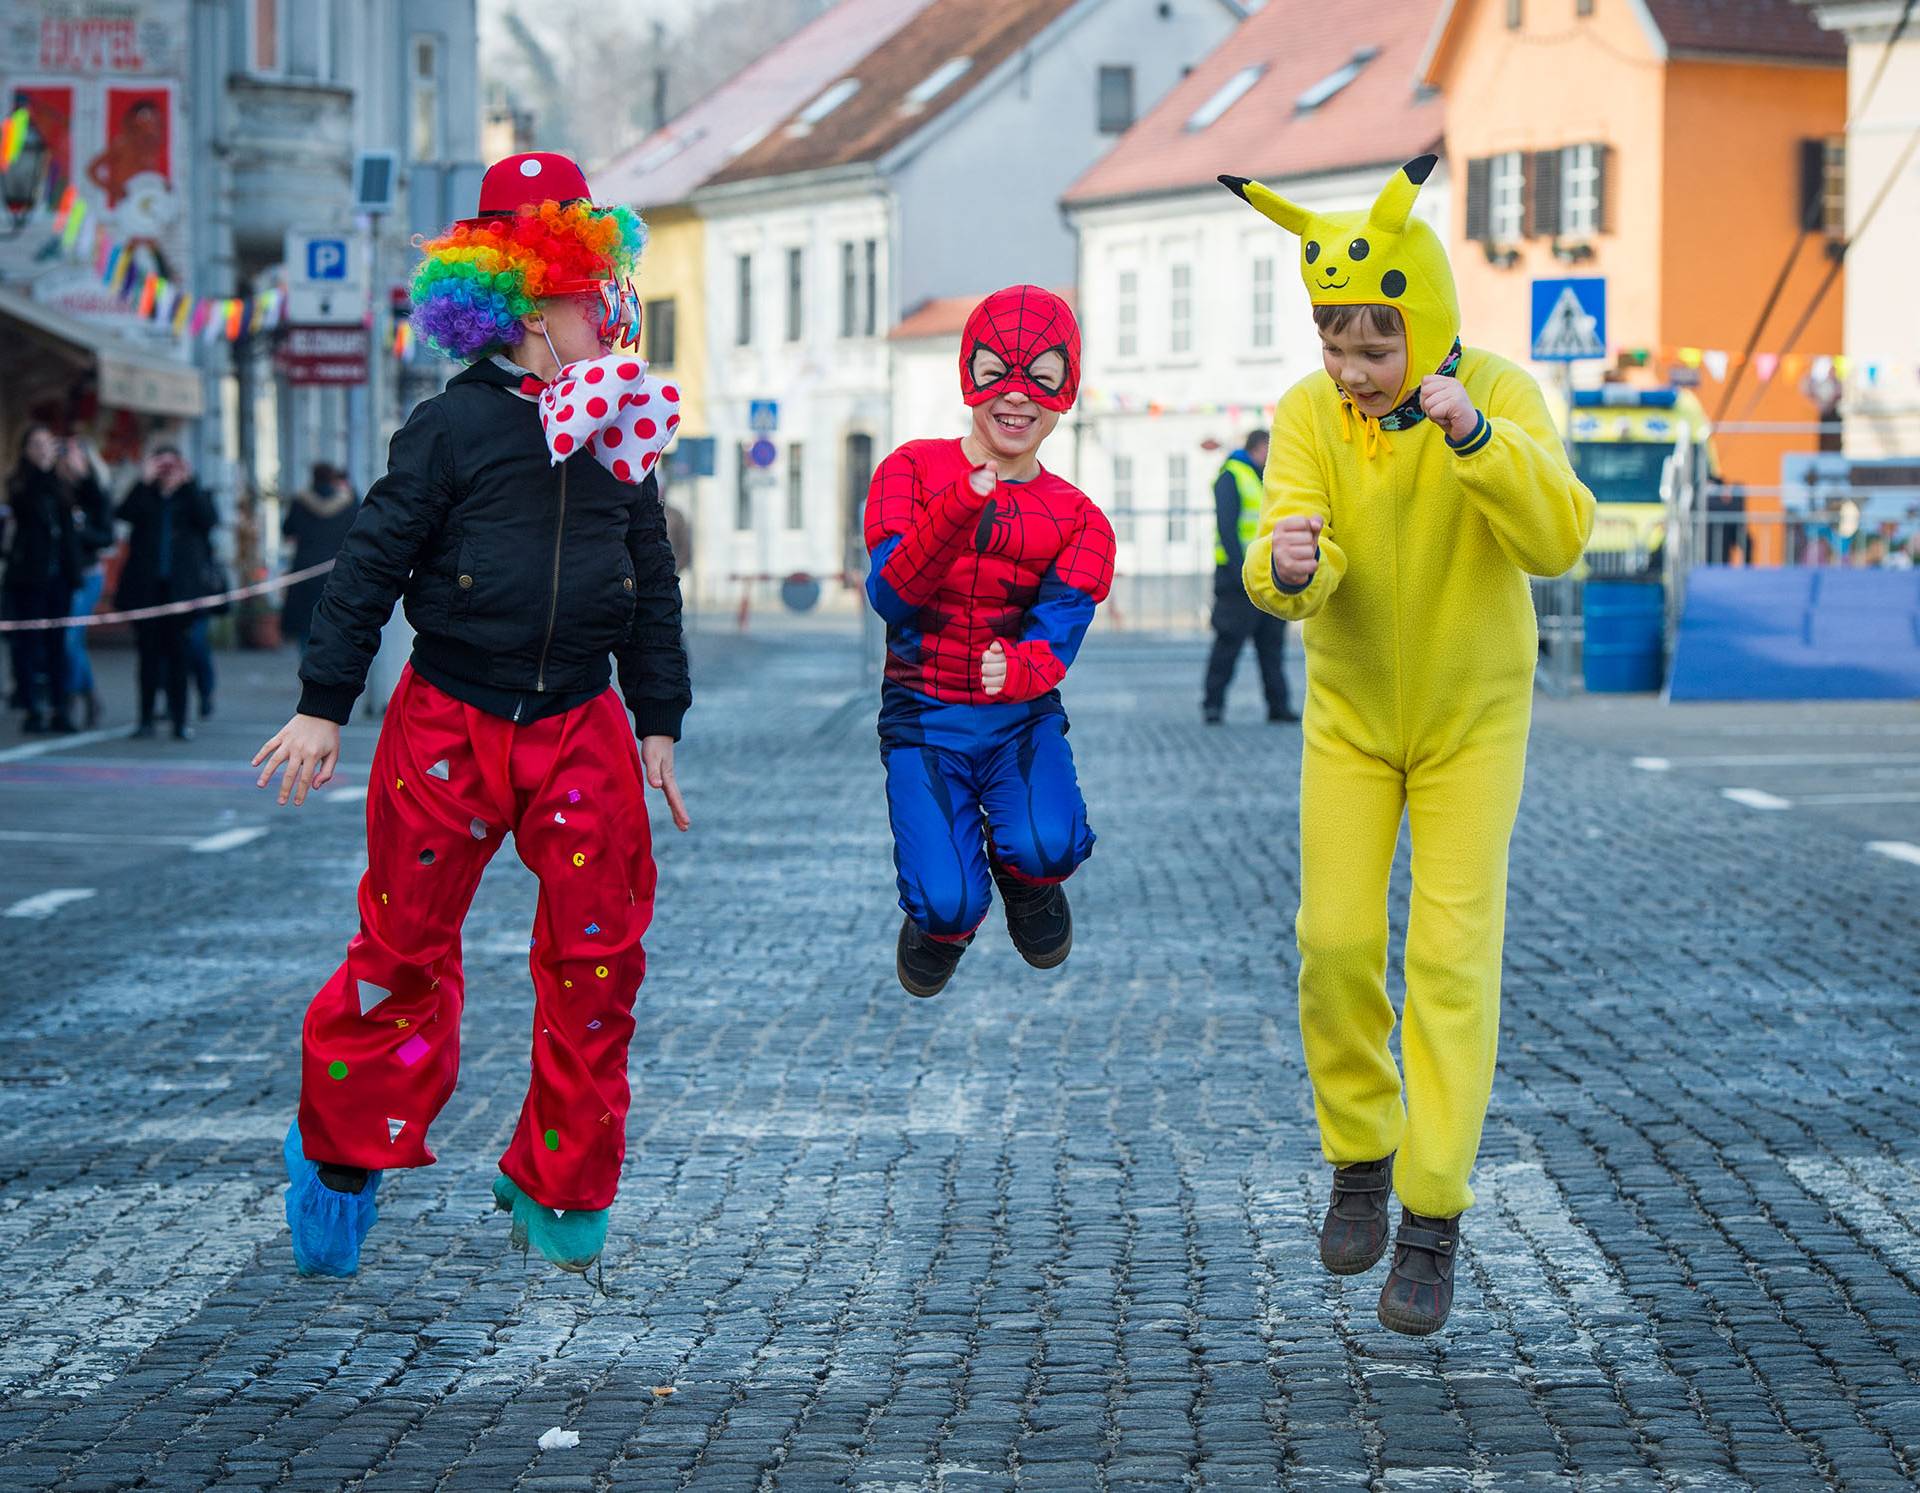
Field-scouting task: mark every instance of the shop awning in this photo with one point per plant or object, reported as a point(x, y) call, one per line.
point(130, 378)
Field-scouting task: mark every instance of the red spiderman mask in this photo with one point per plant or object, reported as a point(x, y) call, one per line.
point(1021, 338)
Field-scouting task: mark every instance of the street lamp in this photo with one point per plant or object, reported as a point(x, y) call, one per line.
point(25, 178)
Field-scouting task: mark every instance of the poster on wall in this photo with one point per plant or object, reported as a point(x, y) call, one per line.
point(102, 83)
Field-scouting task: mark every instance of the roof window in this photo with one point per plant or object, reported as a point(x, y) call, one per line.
point(1226, 96)
point(824, 105)
point(1334, 81)
point(937, 82)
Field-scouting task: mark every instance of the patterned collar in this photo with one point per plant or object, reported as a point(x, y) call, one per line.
point(1407, 414)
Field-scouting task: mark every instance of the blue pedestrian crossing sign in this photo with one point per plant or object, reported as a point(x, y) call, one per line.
point(1569, 319)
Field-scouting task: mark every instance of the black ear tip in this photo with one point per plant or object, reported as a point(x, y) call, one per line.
point(1235, 184)
point(1420, 168)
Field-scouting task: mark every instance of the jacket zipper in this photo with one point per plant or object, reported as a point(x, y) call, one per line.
point(553, 605)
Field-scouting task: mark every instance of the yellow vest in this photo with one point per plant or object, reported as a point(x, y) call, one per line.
point(1252, 494)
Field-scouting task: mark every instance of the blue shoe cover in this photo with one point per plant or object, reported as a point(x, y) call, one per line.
point(328, 1227)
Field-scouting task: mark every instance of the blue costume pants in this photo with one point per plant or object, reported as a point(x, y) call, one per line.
point(966, 781)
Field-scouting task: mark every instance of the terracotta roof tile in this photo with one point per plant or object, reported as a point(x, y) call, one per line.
point(946, 316)
point(1381, 116)
point(879, 115)
point(1754, 28)
point(670, 163)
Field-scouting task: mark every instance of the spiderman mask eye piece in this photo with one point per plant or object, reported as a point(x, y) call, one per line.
point(986, 368)
point(1049, 370)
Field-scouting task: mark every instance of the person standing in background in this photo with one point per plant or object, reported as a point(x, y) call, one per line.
point(316, 525)
point(168, 555)
point(1237, 495)
point(43, 567)
point(93, 537)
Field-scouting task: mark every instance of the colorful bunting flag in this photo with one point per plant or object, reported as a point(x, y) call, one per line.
point(13, 137)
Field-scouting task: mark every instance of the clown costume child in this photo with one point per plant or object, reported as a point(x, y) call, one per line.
point(520, 519)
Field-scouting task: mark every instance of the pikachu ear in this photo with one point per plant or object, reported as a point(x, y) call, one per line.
point(1394, 205)
point(1269, 203)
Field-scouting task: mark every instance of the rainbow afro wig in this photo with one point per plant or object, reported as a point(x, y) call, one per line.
point(482, 275)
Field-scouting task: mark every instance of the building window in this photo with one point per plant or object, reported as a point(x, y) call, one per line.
point(796, 293)
point(1508, 211)
point(849, 290)
point(265, 36)
point(1515, 17)
point(1116, 100)
point(873, 287)
point(1123, 499)
point(1823, 186)
point(1583, 7)
point(424, 90)
point(658, 346)
point(857, 466)
point(796, 500)
point(743, 488)
point(1180, 309)
point(1580, 191)
point(1177, 498)
point(1127, 315)
point(1262, 322)
point(743, 300)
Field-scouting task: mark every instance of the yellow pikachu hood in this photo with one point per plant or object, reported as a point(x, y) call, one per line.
point(1381, 257)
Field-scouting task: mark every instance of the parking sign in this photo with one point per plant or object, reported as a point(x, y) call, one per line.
point(326, 279)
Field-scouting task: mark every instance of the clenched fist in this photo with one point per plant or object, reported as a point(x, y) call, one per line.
point(993, 669)
point(984, 478)
point(1296, 549)
point(1449, 406)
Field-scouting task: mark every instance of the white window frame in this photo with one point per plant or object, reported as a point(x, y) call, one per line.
point(1123, 498)
point(1579, 191)
point(1180, 309)
point(1507, 197)
point(429, 87)
point(1260, 326)
point(1126, 318)
point(1179, 472)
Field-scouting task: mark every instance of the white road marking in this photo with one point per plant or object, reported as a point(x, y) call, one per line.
point(1812, 759)
point(1899, 850)
point(344, 795)
point(86, 837)
point(46, 904)
point(1756, 798)
point(1858, 798)
point(1872, 1194)
point(228, 839)
point(1652, 764)
point(63, 743)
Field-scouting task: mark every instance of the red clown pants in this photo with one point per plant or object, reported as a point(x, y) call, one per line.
point(382, 1038)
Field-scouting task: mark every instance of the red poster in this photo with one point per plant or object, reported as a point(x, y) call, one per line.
point(139, 132)
point(50, 107)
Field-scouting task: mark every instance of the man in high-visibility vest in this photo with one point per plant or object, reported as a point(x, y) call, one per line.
point(1237, 495)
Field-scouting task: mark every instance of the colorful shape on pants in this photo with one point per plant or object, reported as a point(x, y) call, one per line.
point(443, 770)
point(592, 928)
point(394, 1127)
point(370, 995)
point(553, 1140)
point(412, 1050)
point(336, 1069)
point(573, 795)
point(478, 829)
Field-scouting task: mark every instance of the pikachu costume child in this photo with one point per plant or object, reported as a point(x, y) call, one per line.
point(1403, 539)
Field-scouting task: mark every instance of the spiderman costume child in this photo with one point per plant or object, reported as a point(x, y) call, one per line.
point(986, 568)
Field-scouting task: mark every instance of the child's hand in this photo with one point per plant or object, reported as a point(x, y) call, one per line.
point(983, 479)
point(1449, 406)
point(656, 756)
point(1296, 548)
point(993, 669)
point(310, 749)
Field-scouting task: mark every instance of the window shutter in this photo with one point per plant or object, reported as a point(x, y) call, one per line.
point(1813, 184)
point(1479, 200)
point(1603, 186)
point(1544, 199)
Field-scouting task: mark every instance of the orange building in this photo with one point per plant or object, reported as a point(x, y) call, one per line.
point(1675, 147)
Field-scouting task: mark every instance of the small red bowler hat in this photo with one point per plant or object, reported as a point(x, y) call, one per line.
point(528, 180)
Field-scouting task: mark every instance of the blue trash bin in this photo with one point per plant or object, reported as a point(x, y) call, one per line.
point(1625, 635)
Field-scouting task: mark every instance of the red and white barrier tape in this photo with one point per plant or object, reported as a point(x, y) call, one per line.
point(171, 608)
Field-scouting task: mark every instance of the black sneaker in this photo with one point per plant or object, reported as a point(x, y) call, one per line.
point(1286, 715)
point(1038, 918)
point(1213, 716)
point(348, 1179)
point(1419, 1289)
point(145, 731)
point(1354, 1235)
point(925, 964)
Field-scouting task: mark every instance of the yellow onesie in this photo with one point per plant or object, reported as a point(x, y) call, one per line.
point(1420, 644)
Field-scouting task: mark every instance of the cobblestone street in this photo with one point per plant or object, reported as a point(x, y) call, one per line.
point(1043, 1232)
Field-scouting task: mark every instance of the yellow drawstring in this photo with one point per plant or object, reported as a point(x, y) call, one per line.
point(1374, 439)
